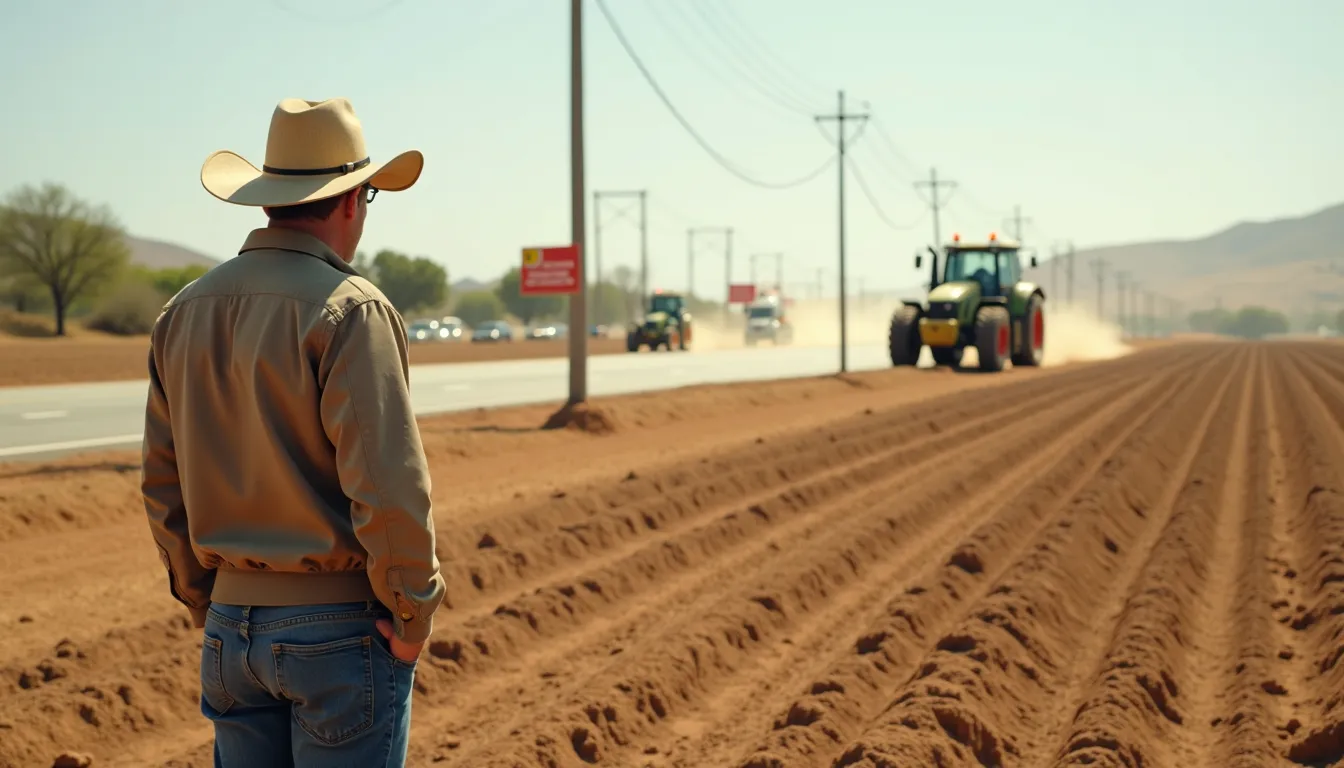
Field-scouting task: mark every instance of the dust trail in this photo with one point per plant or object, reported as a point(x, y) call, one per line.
point(816, 323)
point(1073, 334)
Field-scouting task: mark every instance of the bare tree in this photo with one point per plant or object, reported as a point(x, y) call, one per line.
point(64, 243)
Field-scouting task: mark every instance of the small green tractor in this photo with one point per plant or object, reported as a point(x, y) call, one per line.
point(666, 323)
point(980, 301)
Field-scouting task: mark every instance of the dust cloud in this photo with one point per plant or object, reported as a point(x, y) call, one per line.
point(816, 323)
point(1073, 334)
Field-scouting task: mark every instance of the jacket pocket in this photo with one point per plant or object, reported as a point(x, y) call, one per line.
point(212, 675)
point(330, 685)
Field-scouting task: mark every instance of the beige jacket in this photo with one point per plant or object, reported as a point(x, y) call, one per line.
point(282, 461)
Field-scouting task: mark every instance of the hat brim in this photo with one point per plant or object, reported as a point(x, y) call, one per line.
point(231, 178)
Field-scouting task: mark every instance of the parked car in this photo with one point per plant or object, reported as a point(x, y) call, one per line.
point(543, 331)
point(456, 328)
point(492, 330)
point(426, 330)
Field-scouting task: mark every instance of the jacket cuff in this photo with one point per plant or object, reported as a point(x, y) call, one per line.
point(415, 630)
point(198, 616)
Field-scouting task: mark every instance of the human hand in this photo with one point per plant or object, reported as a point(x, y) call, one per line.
point(407, 652)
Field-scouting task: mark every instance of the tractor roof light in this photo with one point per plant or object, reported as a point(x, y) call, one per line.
point(956, 237)
point(993, 237)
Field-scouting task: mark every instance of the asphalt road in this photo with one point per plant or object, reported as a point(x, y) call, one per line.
point(40, 422)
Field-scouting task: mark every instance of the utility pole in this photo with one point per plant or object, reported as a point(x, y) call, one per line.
point(1016, 222)
point(840, 117)
point(819, 282)
point(1069, 270)
point(1148, 301)
point(642, 195)
point(778, 258)
point(779, 272)
point(1120, 300)
point(578, 303)
point(1099, 267)
point(934, 185)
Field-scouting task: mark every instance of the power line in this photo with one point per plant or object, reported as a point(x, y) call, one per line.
point(872, 200)
point(718, 157)
point(735, 20)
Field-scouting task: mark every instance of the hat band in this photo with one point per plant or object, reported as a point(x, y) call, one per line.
point(342, 169)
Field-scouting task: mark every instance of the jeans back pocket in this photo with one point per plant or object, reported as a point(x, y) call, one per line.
point(213, 693)
point(330, 685)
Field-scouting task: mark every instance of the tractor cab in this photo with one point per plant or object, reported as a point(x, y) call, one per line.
point(669, 303)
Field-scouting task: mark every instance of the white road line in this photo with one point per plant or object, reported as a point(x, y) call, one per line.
point(36, 415)
point(94, 442)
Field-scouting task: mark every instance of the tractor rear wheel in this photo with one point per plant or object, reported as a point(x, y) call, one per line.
point(1032, 351)
point(993, 337)
point(631, 342)
point(903, 339)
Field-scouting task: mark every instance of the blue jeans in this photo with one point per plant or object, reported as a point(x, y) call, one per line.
point(304, 686)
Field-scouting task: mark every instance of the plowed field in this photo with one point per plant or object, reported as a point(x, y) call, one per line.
point(1136, 562)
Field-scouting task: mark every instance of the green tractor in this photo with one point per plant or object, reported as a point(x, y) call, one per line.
point(980, 301)
point(666, 323)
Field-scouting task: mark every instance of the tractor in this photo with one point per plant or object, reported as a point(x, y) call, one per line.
point(667, 322)
point(980, 301)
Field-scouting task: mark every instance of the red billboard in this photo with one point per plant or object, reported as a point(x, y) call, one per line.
point(741, 294)
point(550, 271)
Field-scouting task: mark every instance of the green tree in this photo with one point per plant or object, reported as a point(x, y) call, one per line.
point(24, 293)
point(477, 307)
point(364, 266)
point(410, 283)
point(1255, 323)
point(526, 308)
point(71, 247)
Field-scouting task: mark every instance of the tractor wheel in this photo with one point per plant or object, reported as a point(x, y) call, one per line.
point(993, 337)
point(950, 356)
point(631, 343)
point(681, 338)
point(1033, 335)
point(903, 338)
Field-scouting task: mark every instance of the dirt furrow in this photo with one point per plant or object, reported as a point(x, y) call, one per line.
point(812, 729)
point(1316, 735)
point(1137, 707)
point(1244, 686)
point(708, 642)
point(992, 688)
point(163, 657)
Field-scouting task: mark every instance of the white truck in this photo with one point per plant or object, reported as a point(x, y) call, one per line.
point(767, 320)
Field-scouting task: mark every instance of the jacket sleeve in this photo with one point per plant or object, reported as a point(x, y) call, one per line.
point(190, 582)
point(367, 414)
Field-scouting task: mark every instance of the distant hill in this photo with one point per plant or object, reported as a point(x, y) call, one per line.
point(1295, 265)
point(156, 254)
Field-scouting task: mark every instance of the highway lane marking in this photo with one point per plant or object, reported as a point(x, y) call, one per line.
point(67, 445)
point(36, 415)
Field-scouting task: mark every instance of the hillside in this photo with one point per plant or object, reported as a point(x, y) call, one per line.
point(156, 254)
point(1295, 265)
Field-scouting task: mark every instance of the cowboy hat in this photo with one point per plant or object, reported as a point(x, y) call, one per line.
point(315, 150)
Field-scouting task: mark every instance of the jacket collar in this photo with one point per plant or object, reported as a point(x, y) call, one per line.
point(277, 238)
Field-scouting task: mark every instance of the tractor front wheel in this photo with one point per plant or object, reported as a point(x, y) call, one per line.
point(903, 338)
point(631, 343)
point(993, 337)
point(1032, 348)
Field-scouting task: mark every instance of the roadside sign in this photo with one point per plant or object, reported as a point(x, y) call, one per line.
point(741, 294)
point(550, 271)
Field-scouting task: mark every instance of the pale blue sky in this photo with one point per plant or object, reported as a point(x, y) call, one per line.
point(1106, 121)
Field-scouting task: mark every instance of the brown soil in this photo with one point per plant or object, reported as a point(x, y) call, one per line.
point(1135, 562)
point(96, 357)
